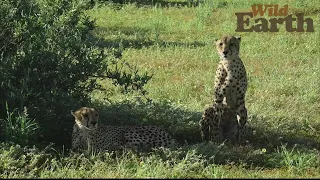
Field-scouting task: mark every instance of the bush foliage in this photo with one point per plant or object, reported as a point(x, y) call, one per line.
point(49, 64)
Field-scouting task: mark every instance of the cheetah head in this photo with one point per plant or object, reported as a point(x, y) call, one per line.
point(86, 117)
point(228, 46)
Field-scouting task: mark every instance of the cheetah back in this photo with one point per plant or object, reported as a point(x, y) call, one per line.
point(147, 137)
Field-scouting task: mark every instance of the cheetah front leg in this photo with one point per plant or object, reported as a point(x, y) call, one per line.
point(242, 117)
point(224, 98)
point(221, 86)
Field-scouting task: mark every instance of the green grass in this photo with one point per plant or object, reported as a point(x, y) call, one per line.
point(175, 44)
point(197, 161)
point(18, 127)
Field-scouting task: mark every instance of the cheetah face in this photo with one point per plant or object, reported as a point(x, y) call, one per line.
point(228, 47)
point(86, 117)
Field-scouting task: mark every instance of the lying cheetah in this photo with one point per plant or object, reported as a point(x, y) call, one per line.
point(230, 80)
point(89, 135)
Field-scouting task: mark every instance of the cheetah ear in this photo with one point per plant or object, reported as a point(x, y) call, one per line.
point(238, 37)
point(75, 114)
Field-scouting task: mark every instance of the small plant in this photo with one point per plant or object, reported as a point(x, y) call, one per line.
point(21, 161)
point(297, 161)
point(18, 127)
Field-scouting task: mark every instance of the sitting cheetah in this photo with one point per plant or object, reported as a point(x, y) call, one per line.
point(228, 129)
point(88, 134)
point(230, 80)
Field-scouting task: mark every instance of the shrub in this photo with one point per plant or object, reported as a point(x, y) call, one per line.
point(49, 64)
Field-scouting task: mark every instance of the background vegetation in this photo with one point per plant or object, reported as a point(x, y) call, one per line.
point(49, 65)
point(51, 54)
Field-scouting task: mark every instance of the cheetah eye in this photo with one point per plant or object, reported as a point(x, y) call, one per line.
point(220, 44)
point(85, 115)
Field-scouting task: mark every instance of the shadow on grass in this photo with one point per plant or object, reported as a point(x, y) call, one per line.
point(179, 122)
point(182, 124)
point(162, 3)
point(139, 39)
point(166, 3)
